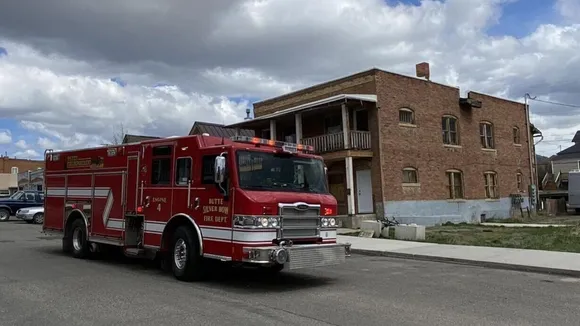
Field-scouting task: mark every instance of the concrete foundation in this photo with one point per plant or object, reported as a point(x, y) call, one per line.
point(372, 225)
point(354, 221)
point(410, 232)
point(434, 212)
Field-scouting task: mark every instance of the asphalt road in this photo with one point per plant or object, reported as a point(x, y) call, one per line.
point(41, 286)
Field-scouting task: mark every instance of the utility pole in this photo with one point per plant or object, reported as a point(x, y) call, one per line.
point(533, 189)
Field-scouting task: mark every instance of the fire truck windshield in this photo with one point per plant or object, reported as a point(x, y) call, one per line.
point(272, 172)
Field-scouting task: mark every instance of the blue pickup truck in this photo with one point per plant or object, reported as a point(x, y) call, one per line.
point(20, 199)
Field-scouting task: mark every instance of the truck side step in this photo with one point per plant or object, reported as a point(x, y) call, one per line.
point(134, 251)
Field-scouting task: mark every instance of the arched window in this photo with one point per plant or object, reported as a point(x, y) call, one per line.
point(410, 175)
point(486, 134)
point(516, 135)
point(490, 178)
point(450, 130)
point(406, 116)
point(455, 184)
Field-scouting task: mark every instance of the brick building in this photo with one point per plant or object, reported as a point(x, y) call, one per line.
point(10, 169)
point(408, 148)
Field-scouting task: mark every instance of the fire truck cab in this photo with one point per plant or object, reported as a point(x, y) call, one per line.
point(188, 199)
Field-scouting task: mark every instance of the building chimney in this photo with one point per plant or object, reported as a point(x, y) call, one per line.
point(247, 114)
point(423, 70)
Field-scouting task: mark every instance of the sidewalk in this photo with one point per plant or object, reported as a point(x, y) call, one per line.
point(538, 261)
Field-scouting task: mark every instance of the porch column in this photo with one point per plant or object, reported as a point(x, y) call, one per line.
point(272, 129)
point(349, 186)
point(345, 126)
point(298, 124)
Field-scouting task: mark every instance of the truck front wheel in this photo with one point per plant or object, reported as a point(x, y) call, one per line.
point(186, 262)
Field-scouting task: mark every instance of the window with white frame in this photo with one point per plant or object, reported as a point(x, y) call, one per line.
point(490, 179)
point(519, 181)
point(14, 170)
point(516, 135)
point(454, 184)
point(449, 130)
point(406, 116)
point(486, 135)
point(410, 175)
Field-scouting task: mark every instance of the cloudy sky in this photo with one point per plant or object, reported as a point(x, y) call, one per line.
point(72, 71)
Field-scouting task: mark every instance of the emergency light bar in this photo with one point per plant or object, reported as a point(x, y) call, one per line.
point(287, 147)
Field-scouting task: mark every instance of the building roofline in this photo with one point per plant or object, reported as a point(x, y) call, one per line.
point(496, 97)
point(213, 124)
point(307, 106)
point(417, 78)
point(367, 72)
point(19, 159)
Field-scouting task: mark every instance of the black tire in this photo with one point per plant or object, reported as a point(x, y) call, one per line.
point(77, 239)
point(38, 218)
point(192, 267)
point(4, 215)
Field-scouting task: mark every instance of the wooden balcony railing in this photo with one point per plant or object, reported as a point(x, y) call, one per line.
point(359, 140)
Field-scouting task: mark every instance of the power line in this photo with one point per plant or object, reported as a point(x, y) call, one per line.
point(555, 103)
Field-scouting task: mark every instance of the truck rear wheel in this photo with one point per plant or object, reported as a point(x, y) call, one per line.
point(77, 239)
point(186, 262)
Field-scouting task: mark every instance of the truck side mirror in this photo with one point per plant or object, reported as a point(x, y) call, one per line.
point(219, 169)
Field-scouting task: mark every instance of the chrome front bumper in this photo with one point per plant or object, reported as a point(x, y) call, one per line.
point(299, 256)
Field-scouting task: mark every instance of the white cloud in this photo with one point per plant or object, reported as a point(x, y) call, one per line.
point(29, 153)
point(5, 137)
point(21, 144)
point(60, 90)
point(570, 9)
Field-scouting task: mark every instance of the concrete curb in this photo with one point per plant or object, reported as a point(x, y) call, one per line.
point(462, 261)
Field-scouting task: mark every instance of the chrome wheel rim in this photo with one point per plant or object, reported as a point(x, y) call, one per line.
point(39, 218)
point(180, 254)
point(77, 239)
point(3, 215)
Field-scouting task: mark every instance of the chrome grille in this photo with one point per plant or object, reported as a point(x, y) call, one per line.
point(315, 256)
point(299, 221)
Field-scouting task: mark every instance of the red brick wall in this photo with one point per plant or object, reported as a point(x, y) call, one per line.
point(6, 164)
point(361, 83)
point(422, 146)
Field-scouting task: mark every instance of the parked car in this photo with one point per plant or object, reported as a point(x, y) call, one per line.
point(31, 214)
point(20, 199)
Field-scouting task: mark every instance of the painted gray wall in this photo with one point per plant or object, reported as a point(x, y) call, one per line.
point(565, 166)
point(432, 212)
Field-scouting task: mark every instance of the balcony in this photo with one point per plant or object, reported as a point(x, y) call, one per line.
point(359, 140)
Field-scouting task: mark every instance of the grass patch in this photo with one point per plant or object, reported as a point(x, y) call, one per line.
point(548, 238)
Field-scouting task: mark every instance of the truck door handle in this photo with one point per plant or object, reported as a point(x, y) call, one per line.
point(196, 201)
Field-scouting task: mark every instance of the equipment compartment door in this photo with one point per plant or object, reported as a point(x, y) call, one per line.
point(55, 188)
point(132, 185)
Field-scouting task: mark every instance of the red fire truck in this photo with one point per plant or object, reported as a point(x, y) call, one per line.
point(189, 199)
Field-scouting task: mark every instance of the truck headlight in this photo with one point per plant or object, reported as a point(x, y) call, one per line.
point(250, 221)
point(328, 222)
